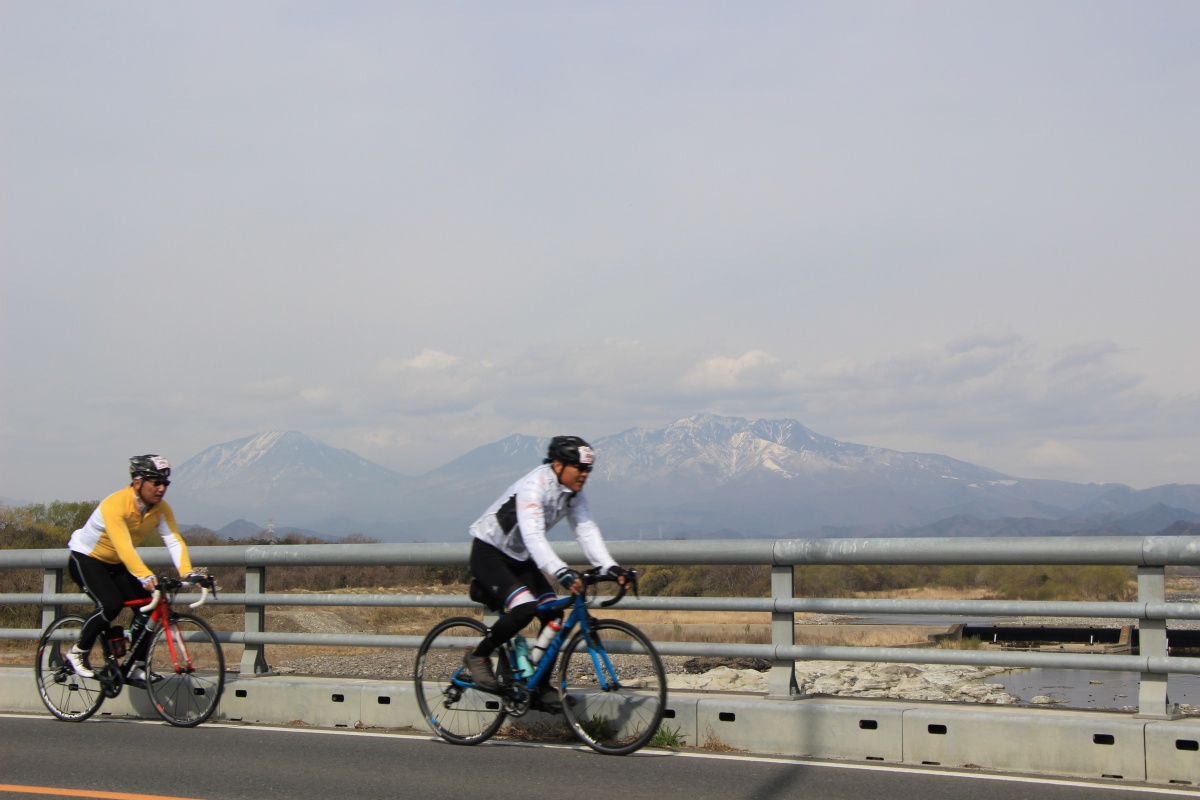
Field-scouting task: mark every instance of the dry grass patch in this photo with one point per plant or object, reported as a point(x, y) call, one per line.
point(642, 617)
point(867, 635)
point(17, 652)
point(931, 593)
point(815, 635)
point(555, 730)
point(713, 742)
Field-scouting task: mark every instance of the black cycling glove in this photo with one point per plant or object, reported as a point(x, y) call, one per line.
point(621, 572)
point(567, 577)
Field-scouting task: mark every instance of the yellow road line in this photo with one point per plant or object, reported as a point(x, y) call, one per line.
point(5, 787)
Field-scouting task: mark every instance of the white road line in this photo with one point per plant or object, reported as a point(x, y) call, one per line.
point(777, 760)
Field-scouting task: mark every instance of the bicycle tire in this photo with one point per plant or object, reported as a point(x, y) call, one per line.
point(193, 678)
point(460, 715)
point(68, 696)
point(621, 713)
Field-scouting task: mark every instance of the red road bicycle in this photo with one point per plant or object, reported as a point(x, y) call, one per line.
point(185, 668)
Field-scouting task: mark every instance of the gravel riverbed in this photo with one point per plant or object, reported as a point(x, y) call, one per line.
point(840, 678)
point(908, 681)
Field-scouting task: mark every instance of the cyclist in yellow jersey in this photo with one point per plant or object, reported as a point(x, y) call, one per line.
point(105, 564)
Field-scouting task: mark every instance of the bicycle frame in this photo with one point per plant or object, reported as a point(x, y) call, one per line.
point(579, 616)
point(175, 644)
point(610, 715)
point(159, 610)
point(182, 646)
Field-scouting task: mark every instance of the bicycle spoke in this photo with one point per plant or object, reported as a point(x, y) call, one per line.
point(68, 696)
point(456, 712)
point(188, 659)
point(615, 693)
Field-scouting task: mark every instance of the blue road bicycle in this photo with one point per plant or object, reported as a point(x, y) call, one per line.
point(610, 683)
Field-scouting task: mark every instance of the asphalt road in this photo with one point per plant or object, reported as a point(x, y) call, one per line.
point(134, 760)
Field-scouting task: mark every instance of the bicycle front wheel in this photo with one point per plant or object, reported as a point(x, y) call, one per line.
point(69, 696)
point(613, 686)
point(457, 713)
point(185, 671)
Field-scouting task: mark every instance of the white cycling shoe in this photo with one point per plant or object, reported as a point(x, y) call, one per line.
point(78, 660)
point(137, 677)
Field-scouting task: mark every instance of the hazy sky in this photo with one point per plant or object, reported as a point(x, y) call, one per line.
point(410, 229)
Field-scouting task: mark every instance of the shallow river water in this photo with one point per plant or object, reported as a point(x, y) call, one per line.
point(1092, 689)
point(1068, 688)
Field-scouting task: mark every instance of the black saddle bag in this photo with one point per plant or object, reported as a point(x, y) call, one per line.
point(483, 596)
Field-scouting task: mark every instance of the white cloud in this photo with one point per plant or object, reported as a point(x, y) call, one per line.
point(722, 374)
point(272, 388)
point(982, 390)
point(1085, 354)
point(1057, 456)
point(321, 397)
point(428, 359)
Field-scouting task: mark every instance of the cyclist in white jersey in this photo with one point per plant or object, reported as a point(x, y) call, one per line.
point(510, 552)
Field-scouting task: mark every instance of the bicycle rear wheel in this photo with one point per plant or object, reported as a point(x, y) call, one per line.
point(188, 657)
point(69, 696)
point(457, 713)
point(614, 688)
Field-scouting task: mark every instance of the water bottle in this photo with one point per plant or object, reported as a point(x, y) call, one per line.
point(138, 625)
point(116, 641)
point(521, 647)
point(548, 633)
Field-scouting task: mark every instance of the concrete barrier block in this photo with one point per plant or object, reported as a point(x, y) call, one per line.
point(131, 702)
point(390, 705)
point(1083, 744)
point(820, 728)
point(18, 692)
point(681, 714)
point(629, 714)
point(1173, 752)
point(281, 700)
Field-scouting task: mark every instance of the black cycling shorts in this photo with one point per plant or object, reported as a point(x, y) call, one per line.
point(503, 577)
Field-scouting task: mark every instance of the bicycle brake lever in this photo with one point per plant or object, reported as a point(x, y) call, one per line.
point(616, 598)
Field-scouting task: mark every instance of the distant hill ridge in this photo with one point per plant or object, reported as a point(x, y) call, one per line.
point(700, 476)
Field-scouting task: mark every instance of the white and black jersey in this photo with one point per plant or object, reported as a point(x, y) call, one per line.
point(516, 524)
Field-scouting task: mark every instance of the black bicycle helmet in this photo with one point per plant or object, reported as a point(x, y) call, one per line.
point(570, 450)
point(149, 466)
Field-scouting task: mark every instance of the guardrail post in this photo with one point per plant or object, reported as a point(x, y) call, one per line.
point(254, 657)
point(52, 583)
point(1153, 702)
point(781, 684)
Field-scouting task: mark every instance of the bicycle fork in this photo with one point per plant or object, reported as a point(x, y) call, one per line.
point(180, 658)
point(605, 674)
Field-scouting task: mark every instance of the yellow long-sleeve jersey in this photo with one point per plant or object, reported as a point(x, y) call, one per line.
point(116, 527)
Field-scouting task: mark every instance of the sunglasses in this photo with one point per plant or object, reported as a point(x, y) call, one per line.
point(157, 481)
point(583, 467)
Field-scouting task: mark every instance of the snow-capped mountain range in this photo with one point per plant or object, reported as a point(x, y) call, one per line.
point(704, 475)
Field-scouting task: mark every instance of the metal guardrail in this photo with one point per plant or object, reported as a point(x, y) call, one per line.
point(1150, 555)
